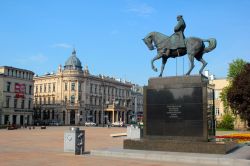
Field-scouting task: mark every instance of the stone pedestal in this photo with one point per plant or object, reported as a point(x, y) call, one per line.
point(178, 116)
point(74, 141)
point(176, 108)
point(179, 146)
point(134, 132)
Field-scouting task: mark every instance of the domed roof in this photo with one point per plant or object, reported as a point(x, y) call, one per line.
point(73, 63)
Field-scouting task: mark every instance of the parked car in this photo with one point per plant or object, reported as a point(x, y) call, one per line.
point(89, 124)
point(118, 124)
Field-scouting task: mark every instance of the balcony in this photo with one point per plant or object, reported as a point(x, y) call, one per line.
point(72, 105)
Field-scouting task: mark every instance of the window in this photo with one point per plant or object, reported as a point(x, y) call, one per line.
point(22, 104)
point(44, 88)
point(29, 105)
point(95, 88)
point(49, 87)
point(44, 100)
point(40, 88)
point(30, 89)
point(36, 88)
point(54, 87)
point(8, 86)
point(90, 99)
point(79, 86)
point(66, 86)
point(15, 102)
point(7, 101)
point(36, 100)
point(217, 94)
point(72, 99)
point(72, 86)
point(53, 100)
point(91, 86)
point(48, 100)
point(40, 100)
point(65, 99)
point(217, 111)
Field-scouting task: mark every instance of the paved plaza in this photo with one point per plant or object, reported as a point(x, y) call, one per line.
point(45, 147)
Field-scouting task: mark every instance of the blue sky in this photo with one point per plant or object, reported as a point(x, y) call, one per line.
point(40, 35)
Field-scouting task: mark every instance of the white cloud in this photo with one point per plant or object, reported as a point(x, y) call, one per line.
point(142, 9)
point(30, 60)
point(39, 58)
point(62, 45)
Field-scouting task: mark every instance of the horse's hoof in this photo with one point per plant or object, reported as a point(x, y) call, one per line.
point(160, 75)
point(155, 70)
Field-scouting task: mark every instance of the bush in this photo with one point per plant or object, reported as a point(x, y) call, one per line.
point(227, 122)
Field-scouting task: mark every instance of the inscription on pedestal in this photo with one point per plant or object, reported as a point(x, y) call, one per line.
point(174, 112)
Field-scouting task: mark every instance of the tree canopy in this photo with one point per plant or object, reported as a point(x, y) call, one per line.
point(235, 68)
point(238, 95)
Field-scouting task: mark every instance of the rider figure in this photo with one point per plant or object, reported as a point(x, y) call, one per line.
point(177, 39)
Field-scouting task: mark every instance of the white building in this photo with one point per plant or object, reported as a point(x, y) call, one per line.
point(16, 96)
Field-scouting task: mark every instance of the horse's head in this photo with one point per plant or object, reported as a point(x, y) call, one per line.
point(148, 41)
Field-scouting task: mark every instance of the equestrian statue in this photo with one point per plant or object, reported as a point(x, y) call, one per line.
point(177, 45)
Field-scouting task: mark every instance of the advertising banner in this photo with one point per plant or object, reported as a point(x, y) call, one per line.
point(19, 90)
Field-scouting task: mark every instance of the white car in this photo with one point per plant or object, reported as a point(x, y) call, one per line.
point(90, 124)
point(119, 124)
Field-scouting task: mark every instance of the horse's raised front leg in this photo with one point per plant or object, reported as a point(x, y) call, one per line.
point(204, 64)
point(164, 60)
point(158, 56)
point(191, 60)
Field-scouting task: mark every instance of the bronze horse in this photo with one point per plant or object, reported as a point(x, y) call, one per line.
point(195, 48)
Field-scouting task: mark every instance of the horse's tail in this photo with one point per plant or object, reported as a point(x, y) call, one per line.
point(212, 44)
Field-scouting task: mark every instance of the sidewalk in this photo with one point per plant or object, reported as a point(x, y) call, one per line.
point(45, 147)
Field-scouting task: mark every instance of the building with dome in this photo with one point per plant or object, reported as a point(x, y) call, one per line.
point(73, 96)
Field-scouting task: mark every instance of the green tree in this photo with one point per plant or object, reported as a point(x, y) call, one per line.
point(238, 95)
point(227, 122)
point(235, 68)
point(223, 97)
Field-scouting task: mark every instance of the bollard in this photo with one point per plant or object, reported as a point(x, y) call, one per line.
point(74, 140)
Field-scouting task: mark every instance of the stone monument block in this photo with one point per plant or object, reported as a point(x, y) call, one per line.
point(134, 132)
point(176, 108)
point(179, 116)
point(74, 141)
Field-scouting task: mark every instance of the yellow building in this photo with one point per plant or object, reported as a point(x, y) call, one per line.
point(16, 96)
point(74, 96)
point(219, 84)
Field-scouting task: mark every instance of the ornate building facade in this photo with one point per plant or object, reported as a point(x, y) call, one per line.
point(73, 96)
point(16, 96)
point(137, 102)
